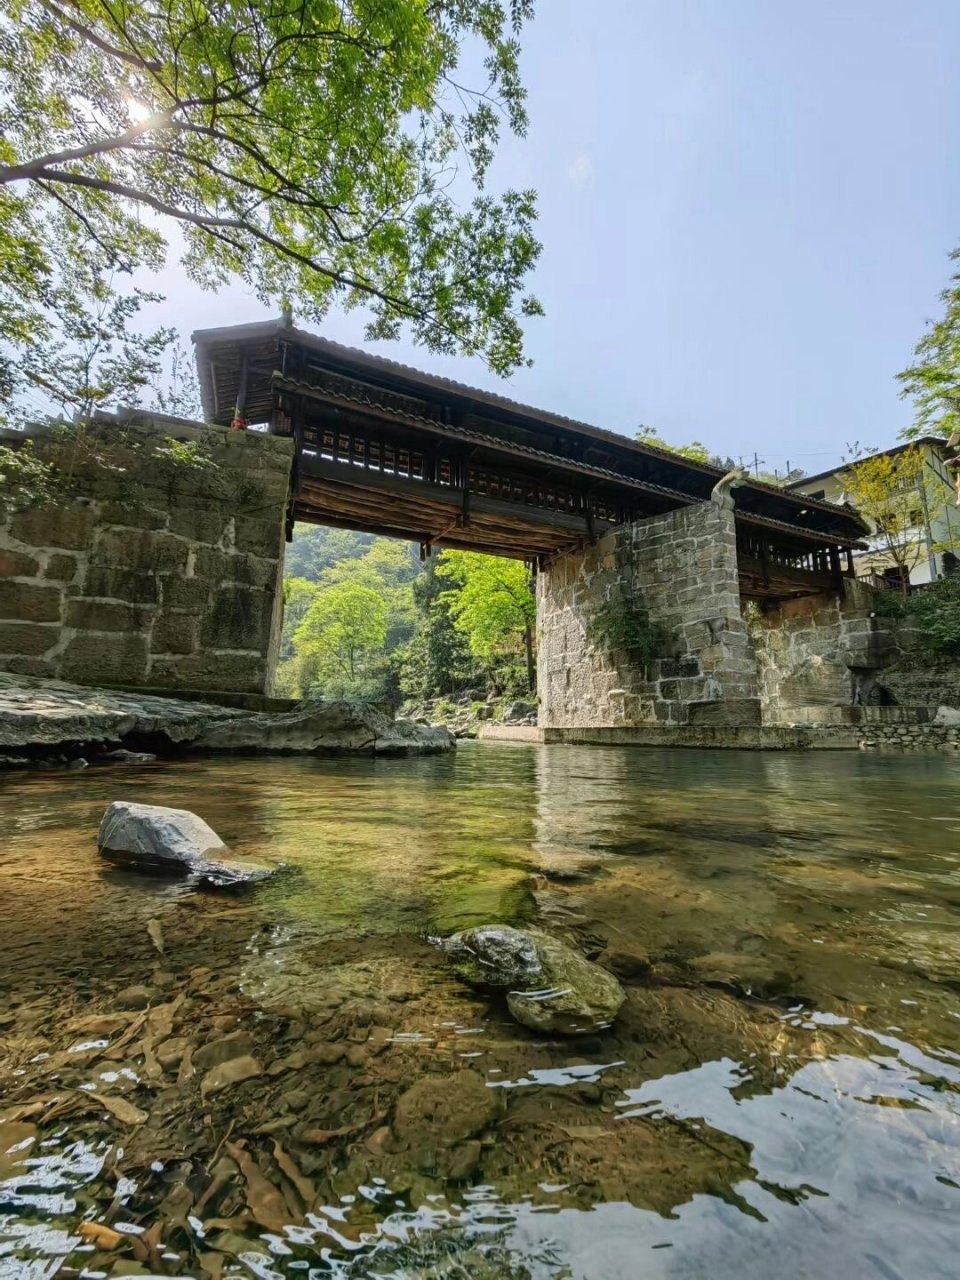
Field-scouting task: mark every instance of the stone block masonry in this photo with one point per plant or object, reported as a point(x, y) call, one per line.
point(153, 572)
point(821, 651)
point(682, 568)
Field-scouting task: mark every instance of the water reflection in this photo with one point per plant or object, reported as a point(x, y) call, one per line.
point(779, 1096)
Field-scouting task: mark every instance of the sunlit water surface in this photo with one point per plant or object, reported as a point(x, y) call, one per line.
point(779, 1097)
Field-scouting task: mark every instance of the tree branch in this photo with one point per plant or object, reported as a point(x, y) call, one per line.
point(38, 168)
point(113, 256)
point(214, 223)
point(91, 36)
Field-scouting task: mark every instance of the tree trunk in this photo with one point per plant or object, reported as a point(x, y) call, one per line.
point(528, 645)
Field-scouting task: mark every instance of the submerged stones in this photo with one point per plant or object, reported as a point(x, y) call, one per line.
point(445, 1110)
point(549, 985)
point(232, 874)
point(438, 1119)
point(163, 841)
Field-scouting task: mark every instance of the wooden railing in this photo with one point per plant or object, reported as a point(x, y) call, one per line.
point(769, 550)
point(363, 451)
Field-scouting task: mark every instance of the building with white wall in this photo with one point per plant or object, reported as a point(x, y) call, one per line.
point(930, 505)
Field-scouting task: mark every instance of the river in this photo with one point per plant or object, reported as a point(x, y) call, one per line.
point(778, 1098)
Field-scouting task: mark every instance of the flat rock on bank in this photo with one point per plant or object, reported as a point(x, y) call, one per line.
point(41, 717)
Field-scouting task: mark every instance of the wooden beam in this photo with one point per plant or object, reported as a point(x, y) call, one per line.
point(307, 516)
point(370, 482)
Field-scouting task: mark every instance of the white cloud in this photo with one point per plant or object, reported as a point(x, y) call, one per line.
point(581, 173)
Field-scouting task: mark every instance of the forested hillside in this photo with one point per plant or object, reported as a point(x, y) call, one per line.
point(364, 618)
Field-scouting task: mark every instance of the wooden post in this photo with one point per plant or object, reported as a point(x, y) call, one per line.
point(465, 481)
point(296, 414)
point(528, 646)
point(239, 422)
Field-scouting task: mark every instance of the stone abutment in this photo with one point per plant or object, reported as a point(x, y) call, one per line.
point(154, 568)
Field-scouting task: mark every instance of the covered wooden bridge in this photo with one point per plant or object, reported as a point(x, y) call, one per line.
point(386, 449)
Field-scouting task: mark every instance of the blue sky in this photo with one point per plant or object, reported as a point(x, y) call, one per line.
point(746, 207)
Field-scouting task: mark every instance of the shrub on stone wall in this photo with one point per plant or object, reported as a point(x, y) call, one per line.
point(936, 613)
point(623, 624)
point(931, 618)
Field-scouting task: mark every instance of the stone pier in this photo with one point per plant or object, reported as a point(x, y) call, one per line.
point(682, 569)
point(150, 571)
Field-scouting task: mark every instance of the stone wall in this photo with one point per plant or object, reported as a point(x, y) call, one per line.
point(682, 567)
point(820, 651)
point(154, 572)
point(865, 735)
point(936, 684)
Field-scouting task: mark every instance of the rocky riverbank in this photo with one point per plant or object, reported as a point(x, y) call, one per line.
point(51, 722)
point(467, 713)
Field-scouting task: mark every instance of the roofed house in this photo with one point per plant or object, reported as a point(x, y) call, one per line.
point(922, 503)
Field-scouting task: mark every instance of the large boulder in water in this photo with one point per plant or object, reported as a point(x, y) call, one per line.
point(155, 838)
point(549, 985)
point(162, 841)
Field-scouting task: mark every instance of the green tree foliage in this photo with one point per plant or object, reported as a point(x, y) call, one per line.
point(322, 660)
point(298, 595)
point(340, 640)
point(93, 357)
point(26, 479)
point(932, 382)
point(381, 624)
point(315, 548)
point(937, 613)
point(88, 350)
point(437, 659)
point(386, 565)
point(316, 151)
point(492, 605)
point(695, 451)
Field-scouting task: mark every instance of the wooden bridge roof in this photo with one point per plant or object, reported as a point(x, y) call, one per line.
point(260, 366)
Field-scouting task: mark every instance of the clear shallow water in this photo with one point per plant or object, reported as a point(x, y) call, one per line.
point(778, 1097)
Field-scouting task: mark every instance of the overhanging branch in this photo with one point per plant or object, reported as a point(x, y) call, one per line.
point(214, 223)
